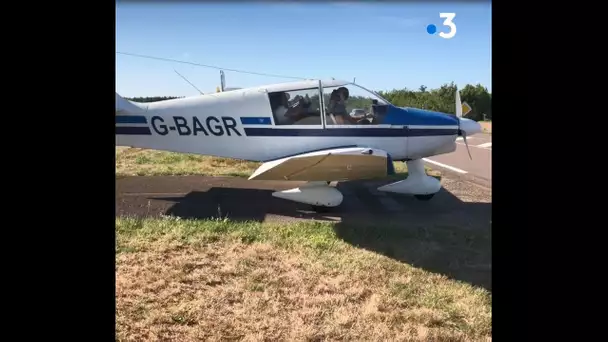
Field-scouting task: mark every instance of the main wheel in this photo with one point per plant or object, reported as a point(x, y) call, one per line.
point(424, 197)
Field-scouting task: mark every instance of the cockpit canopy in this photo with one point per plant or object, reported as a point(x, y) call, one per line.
point(361, 105)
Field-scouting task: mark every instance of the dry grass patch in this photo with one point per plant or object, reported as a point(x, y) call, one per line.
point(219, 280)
point(143, 162)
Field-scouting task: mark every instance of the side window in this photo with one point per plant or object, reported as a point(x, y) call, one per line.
point(296, 107)
point(351, 105)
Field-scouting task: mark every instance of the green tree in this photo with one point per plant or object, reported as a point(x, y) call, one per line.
point(153, 98)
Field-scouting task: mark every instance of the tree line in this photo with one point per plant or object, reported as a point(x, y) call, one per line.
point(153, 98)
point(441, 99)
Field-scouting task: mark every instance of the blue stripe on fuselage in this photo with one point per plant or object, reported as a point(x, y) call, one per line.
point(348, 132)
point(255, 120)
point(131, 119)
point(129, 130)
point(404, 116)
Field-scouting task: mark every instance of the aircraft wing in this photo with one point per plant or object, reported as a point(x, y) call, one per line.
point(328, 165)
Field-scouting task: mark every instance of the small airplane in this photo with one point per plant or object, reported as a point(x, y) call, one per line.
point(316, 131)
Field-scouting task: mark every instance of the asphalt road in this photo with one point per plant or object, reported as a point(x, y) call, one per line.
point(239, 199)
point(479, 169)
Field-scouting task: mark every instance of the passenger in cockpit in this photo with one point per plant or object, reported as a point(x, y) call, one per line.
point(283, 114)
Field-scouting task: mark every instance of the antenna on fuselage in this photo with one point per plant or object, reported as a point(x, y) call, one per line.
point(222, 80)
point(185, 79)
point(354, 79)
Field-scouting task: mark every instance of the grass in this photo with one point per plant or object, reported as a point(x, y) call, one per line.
point(221, 280)
point(145, 162)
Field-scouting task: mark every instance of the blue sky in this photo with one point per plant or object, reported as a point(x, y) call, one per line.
point(383, 45)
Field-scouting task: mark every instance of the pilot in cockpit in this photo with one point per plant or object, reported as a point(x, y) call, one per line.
point(337, 107)
point(283, 113)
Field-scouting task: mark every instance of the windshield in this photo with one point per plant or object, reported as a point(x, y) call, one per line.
point(371, 94)
point(355, 97)
point(355, 104)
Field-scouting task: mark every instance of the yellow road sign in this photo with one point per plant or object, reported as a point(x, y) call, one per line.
point(466, 108)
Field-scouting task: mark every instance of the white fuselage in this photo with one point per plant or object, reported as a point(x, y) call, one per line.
point(239, 124)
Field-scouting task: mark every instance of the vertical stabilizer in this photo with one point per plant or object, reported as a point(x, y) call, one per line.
point(125, 106)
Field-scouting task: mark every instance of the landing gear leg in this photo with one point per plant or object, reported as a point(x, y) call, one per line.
point(418, 183)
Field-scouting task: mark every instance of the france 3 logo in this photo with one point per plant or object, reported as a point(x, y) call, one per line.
point(449, 22)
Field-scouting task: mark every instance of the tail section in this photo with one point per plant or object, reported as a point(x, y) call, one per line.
point(129, 121)
point(125, 107)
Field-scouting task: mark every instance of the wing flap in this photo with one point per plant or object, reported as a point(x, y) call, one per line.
point(328, 165)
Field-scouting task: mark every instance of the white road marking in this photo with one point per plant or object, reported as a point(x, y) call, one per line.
point(486, 145)
point(444, 165)
point(468, 138)
point(478, 146)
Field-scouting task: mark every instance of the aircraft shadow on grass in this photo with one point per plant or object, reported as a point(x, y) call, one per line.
point(444, 235)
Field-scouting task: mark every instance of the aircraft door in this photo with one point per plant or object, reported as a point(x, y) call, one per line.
point(297, 108)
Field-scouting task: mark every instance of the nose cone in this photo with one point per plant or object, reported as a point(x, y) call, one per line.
point(470, 126)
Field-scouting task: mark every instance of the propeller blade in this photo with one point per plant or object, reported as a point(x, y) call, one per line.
point(464, 137)
point(458, 104)
point(459, 115)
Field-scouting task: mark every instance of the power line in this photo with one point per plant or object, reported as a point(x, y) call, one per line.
point(209, 66)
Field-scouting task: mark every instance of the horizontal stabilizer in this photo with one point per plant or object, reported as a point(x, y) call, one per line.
point(328, 165)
